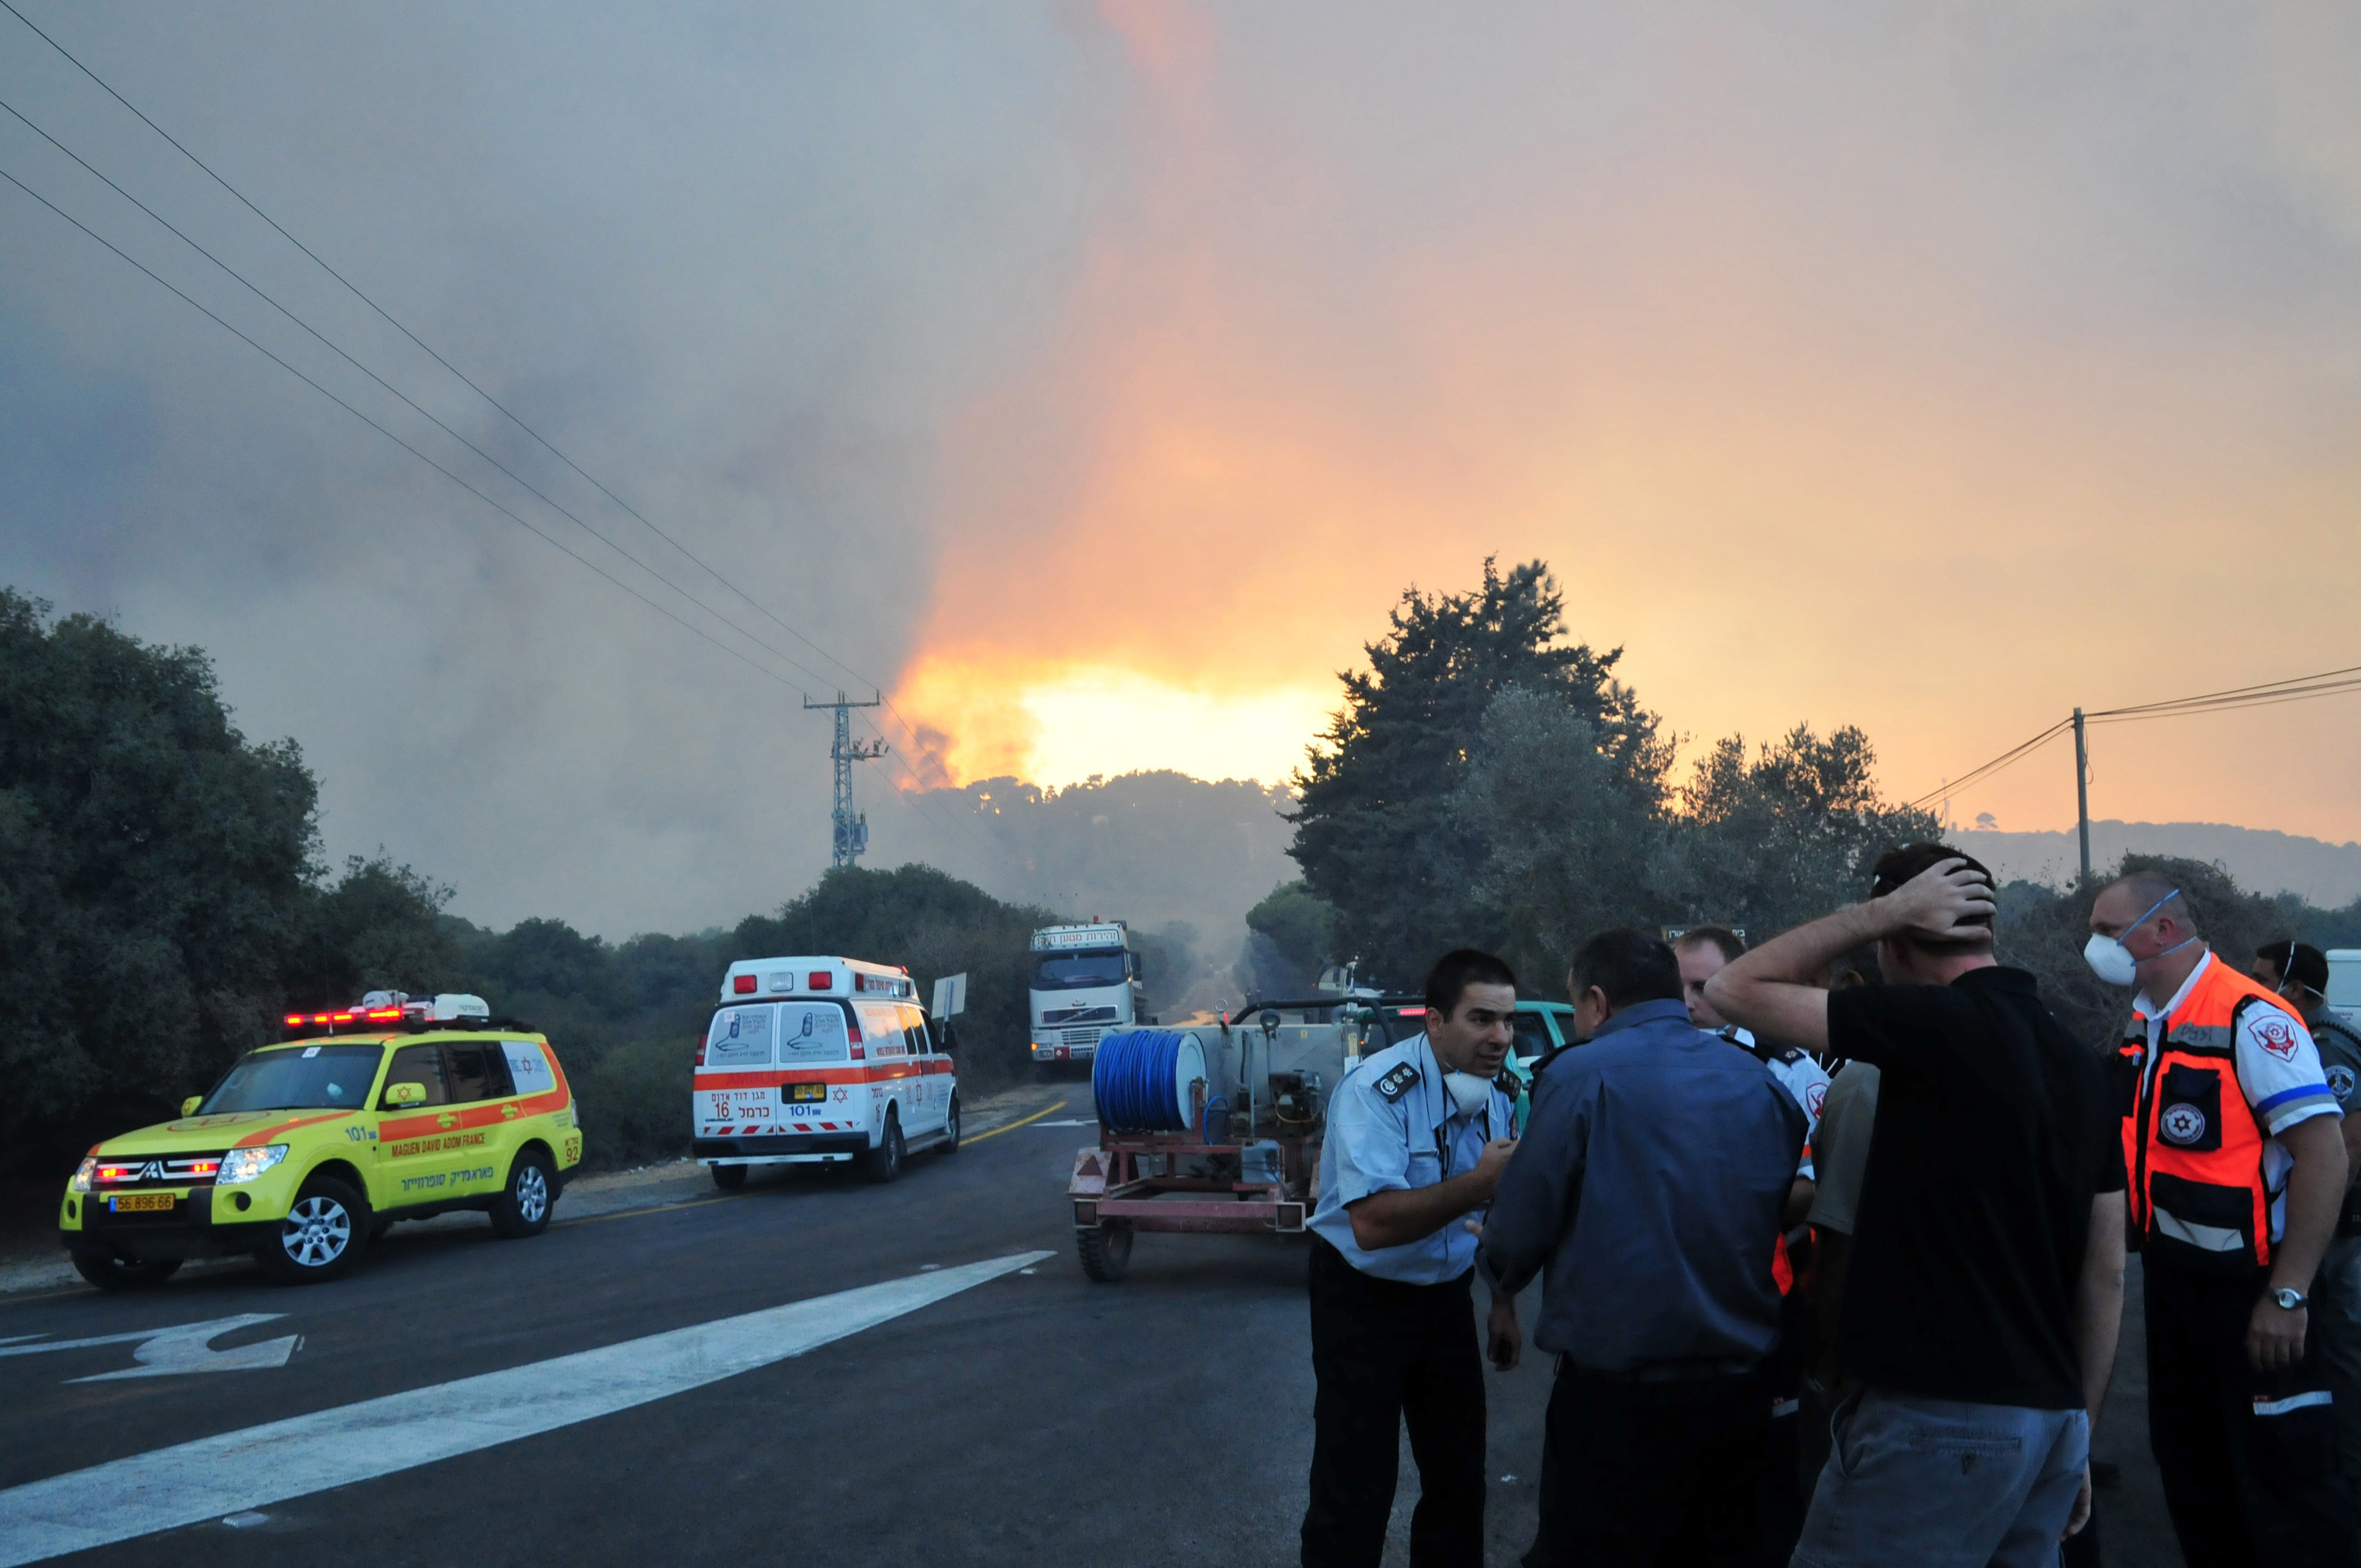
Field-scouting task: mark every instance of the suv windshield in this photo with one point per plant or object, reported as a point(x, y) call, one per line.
point(1072, 972)
point(307, 1078)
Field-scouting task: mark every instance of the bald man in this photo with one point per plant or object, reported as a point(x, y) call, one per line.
point(2237, 1172)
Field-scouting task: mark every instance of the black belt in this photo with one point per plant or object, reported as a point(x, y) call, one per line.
point(1661, 1371)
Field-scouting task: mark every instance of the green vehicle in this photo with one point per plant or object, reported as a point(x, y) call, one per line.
point(1540, 1026)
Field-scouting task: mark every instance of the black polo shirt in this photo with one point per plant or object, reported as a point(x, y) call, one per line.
point(1994, 1133)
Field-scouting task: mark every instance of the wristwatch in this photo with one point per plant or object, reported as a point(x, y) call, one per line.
point(2288, 1300)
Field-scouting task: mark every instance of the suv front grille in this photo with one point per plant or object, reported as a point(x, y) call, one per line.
point(135, 1171)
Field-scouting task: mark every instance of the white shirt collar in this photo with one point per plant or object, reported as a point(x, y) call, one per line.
point(2152, 1015)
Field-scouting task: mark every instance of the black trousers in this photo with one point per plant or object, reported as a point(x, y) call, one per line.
point(2250, 1479)
point(1386, 1354)
point(1653, 1474)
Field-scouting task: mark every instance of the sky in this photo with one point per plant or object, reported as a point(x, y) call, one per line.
point(1092, 379)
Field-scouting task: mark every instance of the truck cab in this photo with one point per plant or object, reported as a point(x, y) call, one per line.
point(1082, 983)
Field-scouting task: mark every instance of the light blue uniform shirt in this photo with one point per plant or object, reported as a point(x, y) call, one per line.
point(1391, 1125)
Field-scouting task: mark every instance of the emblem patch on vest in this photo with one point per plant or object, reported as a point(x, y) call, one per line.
point(2340, 1082)
point(1814, 1098)
point(2277, 1036)
point(2181, 1123)
point(1397, 1081)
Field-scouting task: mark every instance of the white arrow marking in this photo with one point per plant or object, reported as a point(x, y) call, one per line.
point(241, 1471)
point(175, 1351)
point(164, 1353)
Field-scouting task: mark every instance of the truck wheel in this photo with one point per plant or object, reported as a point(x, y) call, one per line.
point(523, 1208)
point(951, 1127)
point(883, 1163)
point(320, 1235)
point(122, 1274)
point(728, 1177)
point(1104, 1249)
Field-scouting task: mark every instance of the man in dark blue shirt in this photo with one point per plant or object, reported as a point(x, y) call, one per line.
point(1648, 1192)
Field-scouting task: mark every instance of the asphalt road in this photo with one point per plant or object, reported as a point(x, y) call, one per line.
point(1025, 1418)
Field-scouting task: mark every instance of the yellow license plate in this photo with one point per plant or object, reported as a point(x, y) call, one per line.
point(137, 1202)
point(809, 1091)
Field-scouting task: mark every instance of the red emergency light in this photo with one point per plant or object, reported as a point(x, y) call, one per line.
point(744, 984)
point(821, 980)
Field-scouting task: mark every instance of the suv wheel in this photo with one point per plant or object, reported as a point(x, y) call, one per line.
point(883, 1163)
point(523, 1208)
point(951, 1127)
point(320, 1235)
point(728, 1177)
point(122, 1274)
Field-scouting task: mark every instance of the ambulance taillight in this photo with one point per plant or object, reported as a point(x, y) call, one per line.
point(700, 1051)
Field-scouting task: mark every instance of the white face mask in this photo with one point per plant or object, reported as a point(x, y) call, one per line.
point(2113, 962)
point(1468, 1092)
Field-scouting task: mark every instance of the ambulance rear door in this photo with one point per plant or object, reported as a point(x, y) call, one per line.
point(818, 1087)
point(736, 1093)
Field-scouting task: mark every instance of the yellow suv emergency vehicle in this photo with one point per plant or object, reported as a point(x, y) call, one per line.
point(305, 1152)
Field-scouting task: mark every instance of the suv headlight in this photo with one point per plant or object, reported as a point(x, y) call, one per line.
point(83, 1173)
point(246, 1165)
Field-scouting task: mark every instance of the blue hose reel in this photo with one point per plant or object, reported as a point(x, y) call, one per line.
point(1140, 1080)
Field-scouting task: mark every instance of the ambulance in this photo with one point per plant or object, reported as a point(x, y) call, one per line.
point(821, 1061)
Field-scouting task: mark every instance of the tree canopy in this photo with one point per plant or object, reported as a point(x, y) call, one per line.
point(1376, 833)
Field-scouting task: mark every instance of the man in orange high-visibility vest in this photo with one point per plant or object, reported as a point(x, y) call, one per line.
point(2236, 1168)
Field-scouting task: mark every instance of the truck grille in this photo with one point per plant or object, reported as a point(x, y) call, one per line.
point(1073, 1038)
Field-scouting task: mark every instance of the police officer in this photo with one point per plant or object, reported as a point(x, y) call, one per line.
point(1417, 1135)
point(2297, 972)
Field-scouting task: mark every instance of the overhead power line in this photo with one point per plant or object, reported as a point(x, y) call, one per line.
point(389, 435)
point(923, 807)
point(2267, 694)
point(429, 349)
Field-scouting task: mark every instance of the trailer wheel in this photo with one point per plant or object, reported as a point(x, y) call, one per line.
point(1104, 1249)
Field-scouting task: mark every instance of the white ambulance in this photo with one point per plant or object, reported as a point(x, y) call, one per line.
point(820, 1060)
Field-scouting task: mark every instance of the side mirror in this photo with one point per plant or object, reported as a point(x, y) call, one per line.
point(405, 1095)
point(189, 1106)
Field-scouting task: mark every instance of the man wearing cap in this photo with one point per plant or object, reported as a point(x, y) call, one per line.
point(2297, 973)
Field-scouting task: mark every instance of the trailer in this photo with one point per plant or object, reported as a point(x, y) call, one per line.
point(1237, 1148)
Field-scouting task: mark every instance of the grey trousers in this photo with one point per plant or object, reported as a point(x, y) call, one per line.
point(1943, 1483)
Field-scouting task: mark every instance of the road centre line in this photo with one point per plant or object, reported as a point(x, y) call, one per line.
point(1012, 1126)
point(239, 1471)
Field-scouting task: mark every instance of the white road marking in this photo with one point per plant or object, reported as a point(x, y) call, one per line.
point(241, 1471)
point(1073, 1121)
point(166, 1353)
point(185, 1350)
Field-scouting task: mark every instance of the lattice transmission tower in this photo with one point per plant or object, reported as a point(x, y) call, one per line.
point(850, 830)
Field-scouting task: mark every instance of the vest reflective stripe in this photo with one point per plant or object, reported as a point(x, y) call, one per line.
point(2192, 1147)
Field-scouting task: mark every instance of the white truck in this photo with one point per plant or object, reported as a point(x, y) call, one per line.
point(1082, 983)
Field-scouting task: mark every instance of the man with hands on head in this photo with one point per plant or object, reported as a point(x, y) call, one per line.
point(2237, 1157)
point(1417, 1135)
point(1978, 1321)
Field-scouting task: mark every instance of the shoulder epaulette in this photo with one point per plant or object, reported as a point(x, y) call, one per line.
point(1395, 1082)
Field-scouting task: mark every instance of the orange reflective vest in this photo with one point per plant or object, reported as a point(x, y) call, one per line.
point(2192, 1147)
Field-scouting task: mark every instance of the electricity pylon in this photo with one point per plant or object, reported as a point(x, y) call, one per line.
point(850, 831)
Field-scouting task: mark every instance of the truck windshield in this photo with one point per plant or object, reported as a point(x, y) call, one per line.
point(306, 1078)
point(1075, 972)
